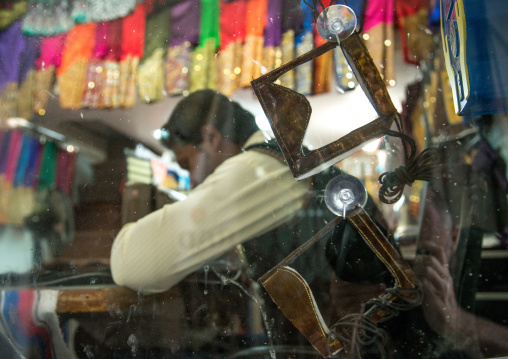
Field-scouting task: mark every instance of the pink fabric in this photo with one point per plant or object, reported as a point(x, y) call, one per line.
point(14, 152)
point(377, 12)
point(101, 40)
point(51, 51)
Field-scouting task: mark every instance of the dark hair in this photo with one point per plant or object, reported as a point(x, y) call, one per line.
point(208, 107)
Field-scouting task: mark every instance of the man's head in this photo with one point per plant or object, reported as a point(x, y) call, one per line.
point(205, 129)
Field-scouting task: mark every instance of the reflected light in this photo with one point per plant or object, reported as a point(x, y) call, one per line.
point(372, 146)
point(398, 205)
point(263, 123)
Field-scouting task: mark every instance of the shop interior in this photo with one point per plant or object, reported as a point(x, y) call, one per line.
point(83, 102)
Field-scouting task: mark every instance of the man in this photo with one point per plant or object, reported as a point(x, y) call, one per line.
point(237, 196)
point(243, 193)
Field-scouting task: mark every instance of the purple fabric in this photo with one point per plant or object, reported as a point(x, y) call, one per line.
point(273, 30)
point(185, 18)
point(12, 44)
point(29, 56)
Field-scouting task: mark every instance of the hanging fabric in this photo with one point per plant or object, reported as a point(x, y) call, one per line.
point(253, 47)
point(203, 74)
point(12, 45)
point(133, 37)
point(378, 33)
point(321, 67)
point(50, 57)
point(272, 54)
point(103, 72)
point(151, 71)
point(304, 42)
point(100, 10)
point(27, 77)
point(8, 171)
point(232, 35)
point(184, 36)
point(48, 17)
point(415, 35)
point(10, 11)
point(95, 78)
point(21, 201)
point(72, 72)
point(292, 24)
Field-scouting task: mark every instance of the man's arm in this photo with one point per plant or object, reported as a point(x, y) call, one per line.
point(246, 196)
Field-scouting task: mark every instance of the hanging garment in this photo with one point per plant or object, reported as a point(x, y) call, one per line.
point(322, 66)
point(184, 36)
point(151, 71)
point(253, 47)
point(100, 10)
point(133, 36)
point(203, 69)
point(232, 35)
point(415, 34)
point(48, 17)
point(292, 23)
point(103, 71)
point(10, 11)
point(304, 42)
point(50, 57)
point(12, 46)
point(272, 54)
point(71, 74)
point(378, 33)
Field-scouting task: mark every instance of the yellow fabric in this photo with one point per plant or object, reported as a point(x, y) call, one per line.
point(203, 69)
point(177, 68)
point(246, 196)
point(380, 43)
point(72, 84)
point(43, 81)
point(21, 204)
point(8, 101)
point(127, 86)
point(229, 64)
point(252, 57)
point(150, 77)
point(25, 98)
point(288, 54)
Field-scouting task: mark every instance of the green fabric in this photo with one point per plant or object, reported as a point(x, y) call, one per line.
point(209, 22)
point(47, 172)
point(157, 31)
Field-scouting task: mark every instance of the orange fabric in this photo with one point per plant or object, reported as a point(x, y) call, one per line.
point(256, 17)
point(78, 46)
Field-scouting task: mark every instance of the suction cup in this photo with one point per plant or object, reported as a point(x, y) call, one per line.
point(336, 22)
point(343, 194)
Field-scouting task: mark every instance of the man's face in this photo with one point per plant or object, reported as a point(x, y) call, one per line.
point(196, 160)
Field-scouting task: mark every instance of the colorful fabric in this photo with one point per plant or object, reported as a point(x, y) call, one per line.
point(272, 54)
point(203, 74)
point(184, 17)
point(51, 50)
point(12, 45)
point(72, 71)
point(253, 48)
point(177, 68)
point(28, 321)
point(415, 35)
point(157, 31)
point(48, 17)
point(378, 33)
point(150, 77)
point(11, 12)
point(304, 42)
point(100, 10)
